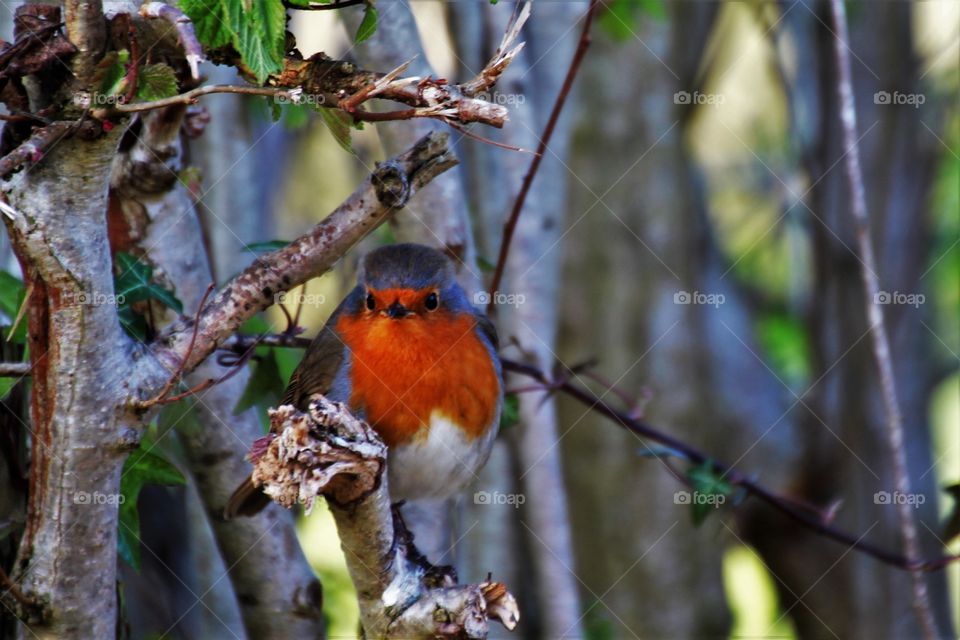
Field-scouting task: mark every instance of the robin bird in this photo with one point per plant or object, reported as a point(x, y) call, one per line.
point(408, 353)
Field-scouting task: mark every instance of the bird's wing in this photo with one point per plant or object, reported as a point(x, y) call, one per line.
point(321, 362)
point(489, 330)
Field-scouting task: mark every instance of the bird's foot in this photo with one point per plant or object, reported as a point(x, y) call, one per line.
point(435, 576)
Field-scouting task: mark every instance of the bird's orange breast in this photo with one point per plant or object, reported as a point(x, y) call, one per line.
point(402, 371)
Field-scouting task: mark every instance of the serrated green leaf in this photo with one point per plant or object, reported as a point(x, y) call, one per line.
point(267, 245)
point(210, 21)
point(338, 123)
point(259, 35)
point(135, 283)
point(368, 26)
point(141, 468)
point(156, 81)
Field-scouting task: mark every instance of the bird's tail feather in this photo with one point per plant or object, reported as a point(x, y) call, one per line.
point(247, 500)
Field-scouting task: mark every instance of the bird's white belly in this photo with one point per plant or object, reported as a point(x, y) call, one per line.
point(439, 465)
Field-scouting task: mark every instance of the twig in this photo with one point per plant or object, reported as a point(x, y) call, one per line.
point(32, 150)
point(14, 369)
point(384, 192)
point(787, 506)
point(878, 330)
point(161, 397)
point(806, 514)
point(188, 37)
point(190, 97)
point(511, 224)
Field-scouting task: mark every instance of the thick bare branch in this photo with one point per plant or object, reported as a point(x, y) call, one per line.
point(386, 190)
point(330, 452)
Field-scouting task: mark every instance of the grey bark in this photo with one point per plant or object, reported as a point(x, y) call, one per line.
point(81, 367)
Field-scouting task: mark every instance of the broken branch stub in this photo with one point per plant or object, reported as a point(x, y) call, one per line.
point(328, 452)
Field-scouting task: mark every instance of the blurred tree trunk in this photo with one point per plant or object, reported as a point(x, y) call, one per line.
point(843, 452)
point(642, 238)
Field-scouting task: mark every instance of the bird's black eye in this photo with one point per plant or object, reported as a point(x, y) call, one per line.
point(431, 302)
point(371, 303)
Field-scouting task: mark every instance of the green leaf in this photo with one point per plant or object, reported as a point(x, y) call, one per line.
point(620, 18)
point(141, 468)
point(11, 298)
point(295, 116)
point(368, 26)
point(338, 123)
point(259, 34)
point(510, 414)
point(267, 245)
point(265, 386)
point(135, 283)
point(710, 490)
point(111, 71)
point(156, 81)
point(210, 21)
point(6, 384)
point(179, 415)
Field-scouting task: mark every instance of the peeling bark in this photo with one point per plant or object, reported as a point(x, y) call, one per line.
point(81, 367)
point(329, 452)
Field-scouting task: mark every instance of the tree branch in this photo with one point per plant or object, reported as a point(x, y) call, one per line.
point(331, 453)
point(878, 330)
point(786, 505)
point(386, 190)
point(510, 226)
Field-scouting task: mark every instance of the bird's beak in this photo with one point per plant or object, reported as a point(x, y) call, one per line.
point(397, 311)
